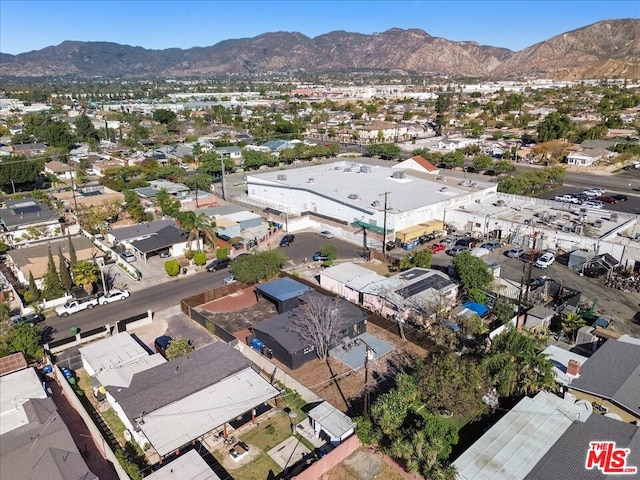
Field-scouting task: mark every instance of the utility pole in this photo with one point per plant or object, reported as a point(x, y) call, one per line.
point(384, 221)
point(368, 356)
point(224, 186)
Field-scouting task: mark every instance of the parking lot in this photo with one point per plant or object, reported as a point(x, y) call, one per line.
point(308, 243)
point(623, 307)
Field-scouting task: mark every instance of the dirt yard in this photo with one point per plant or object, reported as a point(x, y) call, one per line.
point(343, 387)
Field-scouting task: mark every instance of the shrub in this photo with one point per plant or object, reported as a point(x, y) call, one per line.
point(200, 258)
point(172, 267)
point(189, 254)
point(222, 252)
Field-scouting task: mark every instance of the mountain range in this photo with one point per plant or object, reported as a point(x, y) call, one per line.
point(607, 49)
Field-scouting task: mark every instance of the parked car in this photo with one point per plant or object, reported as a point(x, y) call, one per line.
point(113, 296)
point(325, 234)
point(603, 321)
point(619, 197)
point(592, 193)
point(74, 306)
point(320, 257)
point(437, 247)
point(229, 279)
point(30, 318)
point(390, 245)
point(566, 199)
point(598, 190)
point(287, 240)
point(457, 250)
point(592, 204)
point(161, 344)
point(515, 252)
point(464, 242)
point(238, 245)
point(128, 257)
point(427, 237)
point(545, 260)
point(410, 245)
point(219, 264)
point(492, 245)
point(607, 199)
point(165, 254)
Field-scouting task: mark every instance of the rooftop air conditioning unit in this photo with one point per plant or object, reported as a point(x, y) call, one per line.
point(281, 177)
point(500, 203)
point(478, 200)
point(597, 224)
point(399, 175)
point(353, 196)
point(347, 170)
point(375, 203)
point(365, 169)
point(310, 180)
point(579, 229)
point(614, 217)
point(443, 189)
point(337, 168)
point(583, 210)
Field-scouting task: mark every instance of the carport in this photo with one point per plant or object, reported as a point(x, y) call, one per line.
point(165, 239)
point(283, 292)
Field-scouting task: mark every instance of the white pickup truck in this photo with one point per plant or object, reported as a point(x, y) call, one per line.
point(74, 306)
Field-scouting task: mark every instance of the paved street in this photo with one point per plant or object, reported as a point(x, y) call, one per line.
point(155, 298)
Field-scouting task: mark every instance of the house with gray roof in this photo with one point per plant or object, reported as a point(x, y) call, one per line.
point(23, 216)
point(611, 379)
point(35, 443)
point(293, 350)
point(232, 153)
point(137, 232)
point(171, 404)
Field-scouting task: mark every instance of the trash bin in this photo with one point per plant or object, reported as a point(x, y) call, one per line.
point(74, 331)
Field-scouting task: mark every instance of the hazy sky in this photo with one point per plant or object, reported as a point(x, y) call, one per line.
point(32, 25)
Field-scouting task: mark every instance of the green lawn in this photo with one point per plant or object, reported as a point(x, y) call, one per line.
point(115, 425)
point(258, 469)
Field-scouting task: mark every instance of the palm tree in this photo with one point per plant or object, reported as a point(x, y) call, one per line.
point(517, 365)
point(196, 225)
point(85, 274)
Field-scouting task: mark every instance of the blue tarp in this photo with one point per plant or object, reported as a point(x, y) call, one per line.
point(478, 308)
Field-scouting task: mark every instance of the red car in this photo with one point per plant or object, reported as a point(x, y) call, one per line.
point(438, 247)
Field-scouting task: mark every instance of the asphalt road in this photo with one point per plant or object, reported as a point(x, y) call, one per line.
point(308, 243)
point(155, 298)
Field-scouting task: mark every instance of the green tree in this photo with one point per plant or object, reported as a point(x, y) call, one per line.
point(571, 323)
point(172, 267)
point(169, 205)
point(554, 126)
point(85, 129)
point(258, 266)
point(472, 271)
point(20, 170)
point(52, 288)
point(133, 206)
point(200, 258)
point(26, 339)
point(164, 116)
point(482, 162)
point(517, 366)
point(199, 181)
point(197, 226)
point(32, 295)
point(65, 275)
point(503, 310)
point(5, 326)
point(178, 347)
point(85, 274)
point(73, 258)
point(419, 258)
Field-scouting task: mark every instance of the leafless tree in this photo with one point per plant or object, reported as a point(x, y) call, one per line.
point(320, 321)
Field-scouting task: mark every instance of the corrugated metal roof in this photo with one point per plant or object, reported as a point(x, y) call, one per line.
point(283, 289)
point(178, 423)
point(514, 445)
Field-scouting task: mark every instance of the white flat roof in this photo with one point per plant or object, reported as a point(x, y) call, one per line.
point(347, 272)
point(514, 445)
point(189, 466)
point(332, 420)
point(121, 375)
point(113, 351)
point(177, 424)
point(560, 359)
point(339, 180)
point(15, 389)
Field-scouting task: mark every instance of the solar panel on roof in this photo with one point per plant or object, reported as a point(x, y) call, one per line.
point(411, 274)
point(435, 281)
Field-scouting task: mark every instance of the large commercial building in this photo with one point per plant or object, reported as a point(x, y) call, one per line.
point(356, 194)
